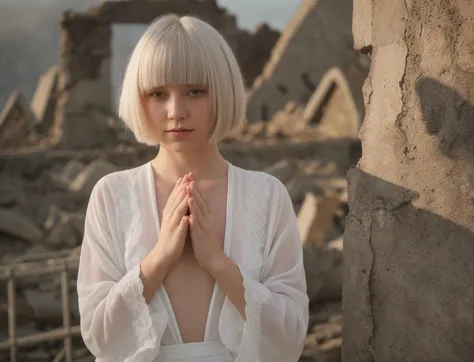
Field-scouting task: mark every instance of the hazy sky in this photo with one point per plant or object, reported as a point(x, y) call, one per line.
point(251, 12)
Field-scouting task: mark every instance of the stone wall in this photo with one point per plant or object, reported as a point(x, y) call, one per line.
point(409, 239)
point(84, 83)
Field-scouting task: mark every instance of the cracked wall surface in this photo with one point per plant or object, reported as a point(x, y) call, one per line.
point(409, 238)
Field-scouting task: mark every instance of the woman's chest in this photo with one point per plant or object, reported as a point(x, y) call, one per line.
point(240, 222)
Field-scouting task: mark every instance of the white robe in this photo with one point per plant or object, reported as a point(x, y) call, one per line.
point(261, 237)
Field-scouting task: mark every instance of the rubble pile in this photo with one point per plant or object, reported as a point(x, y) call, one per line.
point(45, 186)
point(44, 216)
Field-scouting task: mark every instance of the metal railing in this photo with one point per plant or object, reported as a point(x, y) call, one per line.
point(62, 262)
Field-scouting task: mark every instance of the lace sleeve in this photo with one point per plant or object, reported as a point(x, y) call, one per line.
point(116, 323)
point(276, 300)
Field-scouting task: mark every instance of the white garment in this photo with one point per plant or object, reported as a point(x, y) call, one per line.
point(261, 237)
point(195, 352)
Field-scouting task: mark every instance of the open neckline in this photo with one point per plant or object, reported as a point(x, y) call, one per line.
point(226, 245)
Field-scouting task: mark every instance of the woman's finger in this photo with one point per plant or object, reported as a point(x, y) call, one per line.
point(180, 210)
point(193, 223)
point(177, 194)
point(196, 193)
point(196, 210)
point(183, 226)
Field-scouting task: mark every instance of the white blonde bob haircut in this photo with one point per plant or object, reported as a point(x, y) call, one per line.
point(183, 50)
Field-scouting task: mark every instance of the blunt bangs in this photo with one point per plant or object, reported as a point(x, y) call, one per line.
point(171, 56)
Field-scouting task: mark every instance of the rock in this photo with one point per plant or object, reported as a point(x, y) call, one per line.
point(337, 244)
point(65, 229)
point(334, 185)
point(47, 307)
point(38, 354)
point(284, 122)
point(254, 130)
point(78, 220)
point(17, 225)
point(53, 217)
point(69, 173)
point(63, 235)
point(17, 123)
point(43, 102)
point(88, 177)
point(323, 269)
point(24, 312)
point(300, 185)
point(315, 218)
point(324, 343)
point(32, 252)
point(334, 232)
point(283, 170)
point(9, 194)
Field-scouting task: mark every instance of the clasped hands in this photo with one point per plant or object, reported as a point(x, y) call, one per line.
point(177, 221)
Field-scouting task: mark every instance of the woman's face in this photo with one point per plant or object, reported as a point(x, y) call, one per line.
point(179, 115)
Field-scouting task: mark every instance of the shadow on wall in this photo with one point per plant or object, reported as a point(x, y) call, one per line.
point(407, 288)
point(449, 116)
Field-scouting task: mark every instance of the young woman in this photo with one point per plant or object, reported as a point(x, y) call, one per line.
point(189, 257)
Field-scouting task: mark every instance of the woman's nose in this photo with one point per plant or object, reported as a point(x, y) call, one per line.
point(176, 107)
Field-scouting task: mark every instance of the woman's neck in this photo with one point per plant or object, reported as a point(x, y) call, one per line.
point(206, 164)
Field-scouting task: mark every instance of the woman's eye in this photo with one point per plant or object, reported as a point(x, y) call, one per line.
point(157, 94)
point(196, 92)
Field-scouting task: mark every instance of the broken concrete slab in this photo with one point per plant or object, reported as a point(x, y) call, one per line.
point(88, 177)
point(323, 266)
point(9, 194)
point(17, 123)
point(69, 172)
point(315, 218)
point(63, 234)
point(283, 170)
point(43, 103)
point(285, 122)
point(17, 102)
point(17, 225)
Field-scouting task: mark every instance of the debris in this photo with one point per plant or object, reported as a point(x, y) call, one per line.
point(18, 226)
point(88, 177)
point(315, 218)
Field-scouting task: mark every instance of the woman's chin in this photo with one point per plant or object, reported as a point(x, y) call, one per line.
point(182, 147)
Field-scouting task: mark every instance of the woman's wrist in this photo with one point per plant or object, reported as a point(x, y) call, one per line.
point(217, 264)
point(155, 264)
point(153, 270)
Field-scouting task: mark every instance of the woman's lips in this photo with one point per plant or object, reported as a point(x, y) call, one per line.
point(179, 132)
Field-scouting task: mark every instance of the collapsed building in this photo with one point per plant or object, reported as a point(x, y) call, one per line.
point(304, 114)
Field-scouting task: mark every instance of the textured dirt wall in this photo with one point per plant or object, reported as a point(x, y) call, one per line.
point(409, 240)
